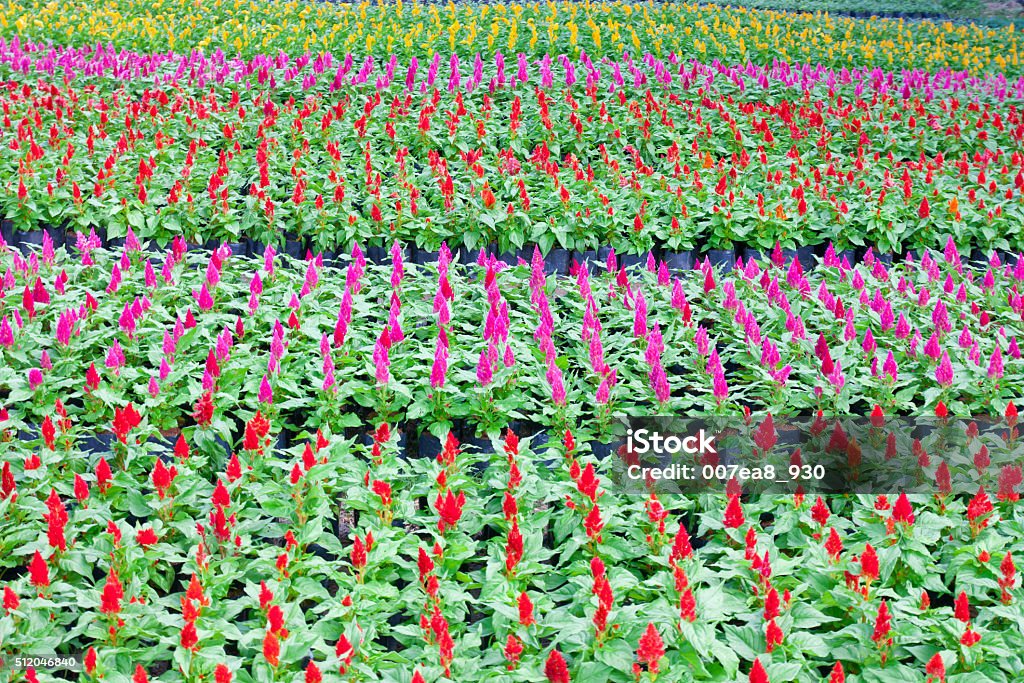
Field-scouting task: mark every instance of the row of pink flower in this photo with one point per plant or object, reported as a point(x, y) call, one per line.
point(463, 72)
point(924, 321)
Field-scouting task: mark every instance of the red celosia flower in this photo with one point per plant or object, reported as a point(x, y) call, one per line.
point(525, 610)
point(92, 378)
point(38, 573)
point(837, 675)
point(313, 674)
point(56, 521)
point(772, 635)
point(733, 513)
point(555, 668)
point(569, 441)
point(487, 196)
point(256, 430)
point(962, 608)
point(103, 475)
point(902, 511)
point(593, 523)
point(90, 661)
point(882, 626)
point(978, 510)
point(112, 594)
point(651, 648)
point(757, 673)
point(344, 651)
point(869, 564)
point(681, 548)
point(688, 606)
point(449, 509)
point(820, 512)
point(189, 611)
point(1009, 574)
point(125, 420)
point(970, 638)
point(513, 548)
point(146, 537)
point(511, 444)
point(11, 601)
point(140, 675)
point(358, 554)
point(222, 674)
point(49, 433)
point(513, 649)
point(162, 477)
point(271, 649)
point(923, 210)
point(221, 496)
point(81, 488)
point(266, 596)
point(181, 450)
point(936, 669)
point(771, 604)
point(275, 620)
point(424, 564)
point(234, 469)
point(189, 636)
point(203, 413)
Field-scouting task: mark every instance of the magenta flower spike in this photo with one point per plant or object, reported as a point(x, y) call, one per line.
point(720, 389)
point(944, 371)
point(995, 363)
point(266, 393)
point(204, 299)
point(484, 374)
point(890, 368)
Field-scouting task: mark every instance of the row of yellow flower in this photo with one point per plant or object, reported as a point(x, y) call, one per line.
point(705, 32)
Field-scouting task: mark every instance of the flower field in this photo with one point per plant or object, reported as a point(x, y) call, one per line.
point(319, 325)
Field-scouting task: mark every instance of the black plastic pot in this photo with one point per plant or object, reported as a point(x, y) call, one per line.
point(114, 243)
point(602, 450)
point(428, 446)
point(850, 254)
point(238, 248)
point(805, 255)
point(679, 261)
point(7, 231)
point(424, 257)
point(978, 258)
point(725, 259)
point(479, 444)
point(526, 253)
point(294, 246)
point(331, 257)
point(751, 254)
point(377, 255)
point(102, 442)
point(255, 248)
point(630, 261)
point(588, 258)
point(557, 261)
point(280, 443)
point(885, 258)
point(509, 257)
point(29, 239)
